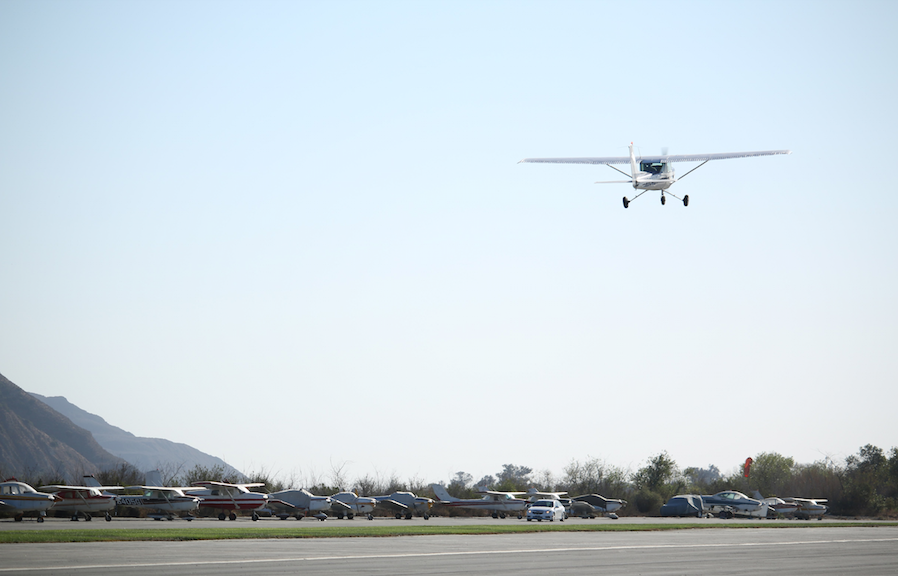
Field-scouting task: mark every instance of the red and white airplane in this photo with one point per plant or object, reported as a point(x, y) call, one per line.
point(229, 497)
point(653, 172)
point(18, 499)
point(84, 500)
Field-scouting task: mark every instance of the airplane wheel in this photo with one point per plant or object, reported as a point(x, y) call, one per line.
point(88, 517)
point(74, 517)
point(108, 517)
point(232, 516)
point(502, 515)
point(18, 517)
point(495, 515)
point(370, 516)
point(255, 516)
point(520, 516)
point(398, 516)
point(427, 516)
point(408, 516)
point(722, 515)
point(283, 517)
point(529, 519)
point(663, 200)
point(339, 516)
point(686, 200)
point(221, 516)
point(626, 202)
point(40, 519)
point(350, 516)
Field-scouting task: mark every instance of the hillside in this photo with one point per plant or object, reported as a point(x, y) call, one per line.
point(144, 453)
point(37, 441)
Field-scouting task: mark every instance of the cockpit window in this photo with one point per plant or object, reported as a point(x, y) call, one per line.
point(653, 167)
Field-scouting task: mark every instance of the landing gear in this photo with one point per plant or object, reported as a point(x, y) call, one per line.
point(408, 516)
point(221, 516)
point(350, 516)
point(255, 516)
point(502, 515)
point(232, 516)
point(40, 519)
point(626, 202)
point(663, 200)
point(427, 516)
point(495, 514)
point(398, 516)
point(88, 517)
point(370, 516)
point(686, 200)
point(108, 517)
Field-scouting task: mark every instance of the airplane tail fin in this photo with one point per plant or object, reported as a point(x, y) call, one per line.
point(153, 478)
point(442, 494)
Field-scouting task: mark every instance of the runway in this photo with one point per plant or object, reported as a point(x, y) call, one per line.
point(857, 550)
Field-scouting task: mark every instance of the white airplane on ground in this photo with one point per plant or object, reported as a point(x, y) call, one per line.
point(653, 172)
point(730, 503)
point(84, 500)
point(229, 497)
point(302, 503)
point(809, 508)
point(406, 504)
point(356, 505)
point(164, 501)
point(499, 503)
point(18, 499)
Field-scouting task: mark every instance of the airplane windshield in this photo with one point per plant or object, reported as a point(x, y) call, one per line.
point(653, 167)
point(546, 503)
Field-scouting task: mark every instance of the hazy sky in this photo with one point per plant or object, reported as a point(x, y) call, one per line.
point(295, 234)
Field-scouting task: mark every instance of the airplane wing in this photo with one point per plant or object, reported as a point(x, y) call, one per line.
point(393, 504)
point(338, 504)
point(668, 158)
point(605, 160)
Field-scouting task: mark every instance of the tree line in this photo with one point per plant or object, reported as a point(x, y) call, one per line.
point(864, 484)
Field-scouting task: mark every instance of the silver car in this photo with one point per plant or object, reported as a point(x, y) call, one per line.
point(550, 510)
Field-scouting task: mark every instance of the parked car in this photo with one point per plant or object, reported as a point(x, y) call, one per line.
point(550, 510)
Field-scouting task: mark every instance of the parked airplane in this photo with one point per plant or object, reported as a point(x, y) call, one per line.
point(356, 505)
point(406, 504)
point(164, 501)
point(653, 172)
point(592, 505)
point(730, 503)
point(809, 508)
point(18, 499)
point(301, 503)
point(84, 500)
point(499, 503)
point(229, 497)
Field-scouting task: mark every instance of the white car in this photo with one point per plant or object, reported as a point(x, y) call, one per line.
point(550, 510)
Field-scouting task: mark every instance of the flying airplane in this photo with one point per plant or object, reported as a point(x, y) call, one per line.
point(84, 500)
point(18, 499)
point(499, 503)
point(592, 505)
point(406, 504)
point(653, 172)
point(730, 503)
point(356, 504)
point(229, 497)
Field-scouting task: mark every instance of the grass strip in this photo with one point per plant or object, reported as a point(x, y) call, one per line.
point(189, 534)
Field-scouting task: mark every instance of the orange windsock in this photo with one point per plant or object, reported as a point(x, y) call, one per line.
point(747, 467)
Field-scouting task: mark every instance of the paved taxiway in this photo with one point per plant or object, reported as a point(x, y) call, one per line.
point(856, 550)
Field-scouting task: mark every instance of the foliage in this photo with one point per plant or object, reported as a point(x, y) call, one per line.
point(772, 473)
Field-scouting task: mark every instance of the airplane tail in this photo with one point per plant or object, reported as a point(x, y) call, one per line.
point(153, 478)
point(442, 494)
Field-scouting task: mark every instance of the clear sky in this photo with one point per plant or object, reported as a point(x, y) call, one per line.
point(295, 234)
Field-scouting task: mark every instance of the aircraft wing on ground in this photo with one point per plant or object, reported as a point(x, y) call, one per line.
point(58, 487)
point(392, 503)
point(660, 158)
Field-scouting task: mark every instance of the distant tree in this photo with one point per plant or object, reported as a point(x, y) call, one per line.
point(771, 473)
point(514, 477)
point(866, 480)
point(488, 481)
point(656, 482)
point(123, 474)
point(198, 473)
point(272, 484)
point(700, 480)
point(594, 477)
